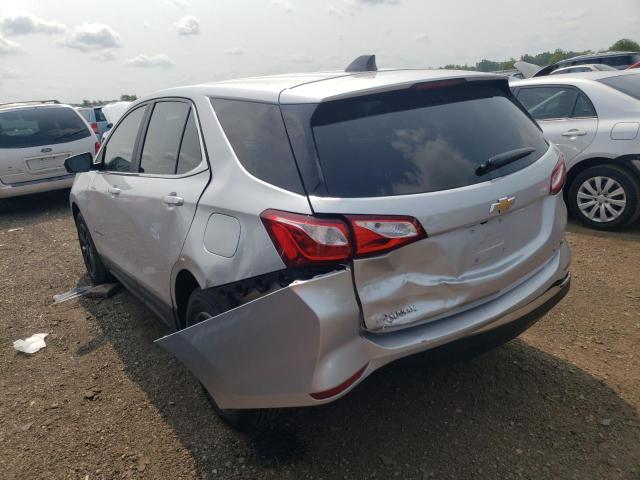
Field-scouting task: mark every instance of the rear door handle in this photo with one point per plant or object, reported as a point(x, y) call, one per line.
point(114, 190)
point(173, 199)
point(574, 132)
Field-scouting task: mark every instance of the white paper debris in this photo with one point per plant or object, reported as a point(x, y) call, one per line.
point(18, 229)
point(73, 293)
point(31, 344)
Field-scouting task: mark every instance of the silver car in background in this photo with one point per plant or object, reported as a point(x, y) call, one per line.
point(301, 231)
point(594, 119)
point(35, 140)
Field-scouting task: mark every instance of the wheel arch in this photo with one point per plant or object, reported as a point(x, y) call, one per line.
point(183, 286)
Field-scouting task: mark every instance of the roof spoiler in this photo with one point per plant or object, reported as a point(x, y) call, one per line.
point(364, 63)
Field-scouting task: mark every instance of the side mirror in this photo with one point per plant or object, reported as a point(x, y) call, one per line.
point(79, 163)
point(109, 125)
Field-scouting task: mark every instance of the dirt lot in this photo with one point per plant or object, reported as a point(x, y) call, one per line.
point(101, 401)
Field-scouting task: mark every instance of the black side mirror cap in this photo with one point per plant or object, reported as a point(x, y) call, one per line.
point(79, 163)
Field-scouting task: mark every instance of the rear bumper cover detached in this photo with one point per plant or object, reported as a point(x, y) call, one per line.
point(278, 350)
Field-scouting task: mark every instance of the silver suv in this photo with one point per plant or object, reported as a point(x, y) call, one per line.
point(301, 231)
point(35, 139)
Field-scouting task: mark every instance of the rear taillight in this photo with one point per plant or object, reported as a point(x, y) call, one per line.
point(94, 127)
point(97, 147)
point(305, 239)
point(558, 176)
point(376, 234)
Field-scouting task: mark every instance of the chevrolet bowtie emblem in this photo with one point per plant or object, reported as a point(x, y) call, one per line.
point(502, 205)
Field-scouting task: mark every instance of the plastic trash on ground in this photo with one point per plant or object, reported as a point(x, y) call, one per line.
point(31, 344)
point(73, 293)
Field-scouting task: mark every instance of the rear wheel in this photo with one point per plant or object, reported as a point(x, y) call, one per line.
point(604, 197)
point(92, 261)
point(202, 306)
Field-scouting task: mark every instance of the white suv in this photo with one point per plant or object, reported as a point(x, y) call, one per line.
point(35, 140)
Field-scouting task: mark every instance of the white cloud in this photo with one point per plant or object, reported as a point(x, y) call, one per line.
point(283, 4)
point(178, 3)
point(92, 36)
point(9, 74)
point(188, 25)
point(103, 56)
point(25, 23)
point(379, 2)
point(300, 58)
point(237, 51)
point(149, 61)
point(8, 47)
point(422, 37)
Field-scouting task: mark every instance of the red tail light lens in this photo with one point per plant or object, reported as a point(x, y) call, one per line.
point(375, 234)
point(304, 239)
point(97, 147)
point(94, 127)
point(558, 176)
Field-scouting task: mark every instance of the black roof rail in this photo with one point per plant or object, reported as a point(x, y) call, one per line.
point(364, 63)
point(30, 102)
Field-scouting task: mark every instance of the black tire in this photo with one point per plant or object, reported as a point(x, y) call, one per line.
point(201, 306)
point(631, 193)
point(92, 261)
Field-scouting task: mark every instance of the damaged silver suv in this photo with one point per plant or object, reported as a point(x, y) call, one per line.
point(300, 231)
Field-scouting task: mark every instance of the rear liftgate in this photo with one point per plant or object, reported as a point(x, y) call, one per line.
point(285, 349)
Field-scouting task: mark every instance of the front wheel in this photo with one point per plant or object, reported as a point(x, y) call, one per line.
point(604, 197)
point(202, 306)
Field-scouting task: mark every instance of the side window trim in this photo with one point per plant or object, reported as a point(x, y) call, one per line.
point(142, 135)
point(135, 145)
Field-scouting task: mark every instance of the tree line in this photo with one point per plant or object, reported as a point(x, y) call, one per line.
point(93, 103)
point(542, 59)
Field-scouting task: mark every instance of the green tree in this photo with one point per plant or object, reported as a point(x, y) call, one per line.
point(128, 98)
point(625, 44)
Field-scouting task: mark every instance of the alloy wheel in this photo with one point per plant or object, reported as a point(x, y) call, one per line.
point(601, 199)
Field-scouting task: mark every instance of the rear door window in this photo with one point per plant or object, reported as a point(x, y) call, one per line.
point(259, 139)
point(417, 140)
point(38, 126)
point(583, 107)
point(162, 141)
point(544, 103)
point(118, 152)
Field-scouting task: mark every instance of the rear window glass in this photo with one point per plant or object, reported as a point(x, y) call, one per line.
point(86, 114)
point(629, 84)
point(419, 139)
point(33, 127)
point(258, 137)
point(99, 115)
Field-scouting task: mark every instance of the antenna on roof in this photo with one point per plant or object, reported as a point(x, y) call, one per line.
point(364, 63)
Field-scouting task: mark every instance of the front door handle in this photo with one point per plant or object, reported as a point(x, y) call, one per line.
point(114, 190)
point(173, 199)
point(574, 132)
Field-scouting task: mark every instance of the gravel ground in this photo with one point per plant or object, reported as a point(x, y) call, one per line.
point(101, 401)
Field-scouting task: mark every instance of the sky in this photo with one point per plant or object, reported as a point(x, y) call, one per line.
point(73, 50)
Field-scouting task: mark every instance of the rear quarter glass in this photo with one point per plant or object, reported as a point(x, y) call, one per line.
point(410, 141)
point(32, 127)
point(258, 137)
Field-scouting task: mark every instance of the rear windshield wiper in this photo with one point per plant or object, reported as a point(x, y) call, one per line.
point(69, 134)
point(503, 159)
